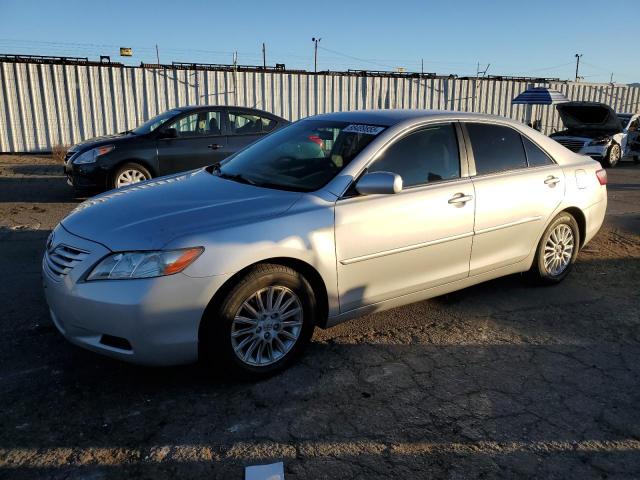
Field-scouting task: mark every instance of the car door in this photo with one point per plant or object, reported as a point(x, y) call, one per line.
point(392, 245)
point(631, 146)
point(517, 187)
point(200, 141)
point(246, 127)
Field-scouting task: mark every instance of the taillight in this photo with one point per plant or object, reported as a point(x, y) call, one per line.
point(315, 139)
point(602, 176)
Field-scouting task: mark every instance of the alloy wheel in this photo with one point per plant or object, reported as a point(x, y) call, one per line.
point(267, 326)
point(614, 155)
point(558, 250)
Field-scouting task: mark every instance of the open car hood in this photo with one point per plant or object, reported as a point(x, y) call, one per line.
point(589, 116)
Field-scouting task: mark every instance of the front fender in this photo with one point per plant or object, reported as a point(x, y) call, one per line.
point(305, 233)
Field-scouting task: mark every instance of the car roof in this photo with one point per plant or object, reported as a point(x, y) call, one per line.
point(393, 117)
point(194, 108)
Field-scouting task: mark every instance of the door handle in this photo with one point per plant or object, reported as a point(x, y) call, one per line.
point(215, 146)
point(551, 181)
point(459, 199)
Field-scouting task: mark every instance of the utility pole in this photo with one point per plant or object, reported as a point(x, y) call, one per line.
point(422, 66)
point(157, 55)
point(235, 77)
point(315, 55)
point(264, 56)
point(578, 65)
point(611, 81)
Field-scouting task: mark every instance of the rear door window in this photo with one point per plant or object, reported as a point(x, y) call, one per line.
point(535, 156)
point(249, 124)
point(496, 148)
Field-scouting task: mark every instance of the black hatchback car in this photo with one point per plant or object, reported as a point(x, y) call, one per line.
point(176, 140)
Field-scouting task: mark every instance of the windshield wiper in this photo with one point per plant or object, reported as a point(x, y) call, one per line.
point(236, 177)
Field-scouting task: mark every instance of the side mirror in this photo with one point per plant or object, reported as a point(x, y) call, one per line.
point(168, 133)
point(381, 183)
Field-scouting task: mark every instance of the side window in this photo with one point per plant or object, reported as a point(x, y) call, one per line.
point(535, 156)
point(198, 124)
point(428, 155)
point(247, 123)
point(634, 125)
point(496, 148)
point(186, 126)
point(211, 123)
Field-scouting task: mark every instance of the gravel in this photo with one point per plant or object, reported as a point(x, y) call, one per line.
point(498, 380)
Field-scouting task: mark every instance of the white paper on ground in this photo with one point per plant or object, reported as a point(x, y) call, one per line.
point(273, 471)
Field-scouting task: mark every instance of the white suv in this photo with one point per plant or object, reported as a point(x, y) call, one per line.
point(594, 129)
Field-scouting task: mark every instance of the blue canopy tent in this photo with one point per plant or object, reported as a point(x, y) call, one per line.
point(538, 96)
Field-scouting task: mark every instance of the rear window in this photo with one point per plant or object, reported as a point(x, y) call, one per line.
point(496, 148)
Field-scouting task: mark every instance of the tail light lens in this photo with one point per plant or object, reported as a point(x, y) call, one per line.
point(602, 176)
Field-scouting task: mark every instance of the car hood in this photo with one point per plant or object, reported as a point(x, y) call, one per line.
point(103, 140)
point(148, 215)
point(583, 116)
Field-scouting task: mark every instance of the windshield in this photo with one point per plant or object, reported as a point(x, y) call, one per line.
point(153, 123)
point(304, 156)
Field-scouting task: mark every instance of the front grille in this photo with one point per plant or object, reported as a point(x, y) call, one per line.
point(573, 145)
point(61, 260)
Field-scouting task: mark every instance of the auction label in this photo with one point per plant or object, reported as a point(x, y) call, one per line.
point(366, 129)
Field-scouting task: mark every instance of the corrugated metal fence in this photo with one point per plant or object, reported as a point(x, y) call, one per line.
point(43, 105)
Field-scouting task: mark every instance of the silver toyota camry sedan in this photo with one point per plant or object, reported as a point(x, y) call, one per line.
point(330, 218)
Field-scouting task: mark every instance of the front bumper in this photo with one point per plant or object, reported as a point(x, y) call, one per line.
point(154, 321)
point(85, 176)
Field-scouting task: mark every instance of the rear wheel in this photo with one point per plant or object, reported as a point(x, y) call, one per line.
point(128, 174)
point(264, 322)
point(557, 250)
point(613, 156)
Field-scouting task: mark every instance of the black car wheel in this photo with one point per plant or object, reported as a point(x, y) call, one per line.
point(128, 174)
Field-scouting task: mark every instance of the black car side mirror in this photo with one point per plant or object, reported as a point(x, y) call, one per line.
point(168, 133)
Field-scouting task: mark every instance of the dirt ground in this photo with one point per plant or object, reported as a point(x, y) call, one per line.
point(498, 380)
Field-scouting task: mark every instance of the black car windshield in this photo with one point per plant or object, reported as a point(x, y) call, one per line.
point(304, 156)
point(153, 123)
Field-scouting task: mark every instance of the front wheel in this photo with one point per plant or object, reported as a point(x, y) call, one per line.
point(128, 174)
point(557, 251)
point(613, 156)
point(264, 322)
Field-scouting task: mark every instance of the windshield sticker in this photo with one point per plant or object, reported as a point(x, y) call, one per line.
point(366, 129)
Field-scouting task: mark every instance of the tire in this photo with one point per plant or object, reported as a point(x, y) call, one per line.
point(613, 156)
point(563, 235)
point(131, 171)
point(250, 345)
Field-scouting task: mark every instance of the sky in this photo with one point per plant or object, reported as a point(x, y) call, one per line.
point(511, 37)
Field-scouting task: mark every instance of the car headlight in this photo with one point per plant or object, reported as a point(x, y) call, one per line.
point(600, 141)
point(90, 156)
point(146, 264)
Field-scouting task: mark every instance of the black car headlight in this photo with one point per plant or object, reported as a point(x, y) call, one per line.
point(90, 156)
